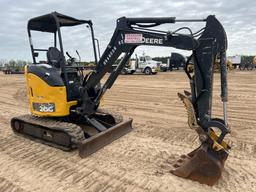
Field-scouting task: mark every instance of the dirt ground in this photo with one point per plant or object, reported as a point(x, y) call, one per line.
point(141, 160)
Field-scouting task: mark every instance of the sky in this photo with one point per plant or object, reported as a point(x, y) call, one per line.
point(237, 17)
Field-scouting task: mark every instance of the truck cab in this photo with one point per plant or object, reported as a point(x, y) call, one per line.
point(143, 64)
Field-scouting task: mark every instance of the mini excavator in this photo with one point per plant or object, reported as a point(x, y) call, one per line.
point(65, 103)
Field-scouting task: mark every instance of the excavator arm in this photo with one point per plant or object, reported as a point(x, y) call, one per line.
point(211, 43)
point(206, 45)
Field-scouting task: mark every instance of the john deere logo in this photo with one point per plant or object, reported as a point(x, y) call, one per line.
point(138, 38)
point(152, 40)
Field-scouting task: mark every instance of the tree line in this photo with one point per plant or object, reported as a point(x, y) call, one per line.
point(21, 63)
point(13, 63)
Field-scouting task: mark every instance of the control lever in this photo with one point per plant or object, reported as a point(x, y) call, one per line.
point(68, 55)
point(78, 56)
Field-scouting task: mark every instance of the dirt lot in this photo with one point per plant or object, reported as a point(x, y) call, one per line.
point(141, 160)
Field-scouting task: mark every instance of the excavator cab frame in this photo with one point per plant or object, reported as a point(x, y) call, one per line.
point(52, 23)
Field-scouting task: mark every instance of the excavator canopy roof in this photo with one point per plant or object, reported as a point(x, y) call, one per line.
point(49, 22)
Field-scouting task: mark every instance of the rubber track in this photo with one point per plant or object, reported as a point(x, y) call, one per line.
point(73, 130)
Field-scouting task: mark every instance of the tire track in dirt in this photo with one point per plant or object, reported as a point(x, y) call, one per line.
point(49, 163)
point(6, 185)
point(66, 171)
point(139, 161)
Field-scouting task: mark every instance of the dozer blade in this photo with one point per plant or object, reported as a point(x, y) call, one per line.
point(203, 165)
point(96, 142)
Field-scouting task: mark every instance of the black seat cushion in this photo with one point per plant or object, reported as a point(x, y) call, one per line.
point(54, 56)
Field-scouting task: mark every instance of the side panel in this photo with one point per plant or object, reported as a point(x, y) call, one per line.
point(45, 100)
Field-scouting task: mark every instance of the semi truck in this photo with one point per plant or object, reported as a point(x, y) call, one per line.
point(236, 60)
point(142, 64)
point(242, 62)
point(176, 61)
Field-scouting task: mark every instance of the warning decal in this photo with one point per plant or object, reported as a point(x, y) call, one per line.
point(133, 38)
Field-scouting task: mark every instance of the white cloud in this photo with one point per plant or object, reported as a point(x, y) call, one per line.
point(237, 17)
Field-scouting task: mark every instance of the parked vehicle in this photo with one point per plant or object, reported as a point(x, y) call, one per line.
point(143, 64)
point(13, 70)
point(176, 61)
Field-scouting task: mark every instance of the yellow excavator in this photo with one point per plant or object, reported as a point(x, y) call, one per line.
point(229, 64)
point(64, 102)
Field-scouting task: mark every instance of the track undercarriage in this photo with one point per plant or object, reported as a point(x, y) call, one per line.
point(89, 134)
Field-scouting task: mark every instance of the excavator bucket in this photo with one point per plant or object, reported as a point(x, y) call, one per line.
point(96, 142)
point(203, 165)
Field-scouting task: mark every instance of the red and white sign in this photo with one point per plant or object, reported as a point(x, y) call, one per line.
point(133, 38)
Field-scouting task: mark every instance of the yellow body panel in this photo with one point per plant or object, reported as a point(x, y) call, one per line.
point(40, 92)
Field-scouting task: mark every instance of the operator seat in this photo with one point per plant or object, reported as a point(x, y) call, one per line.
point(56, 60)
point(54, 57)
